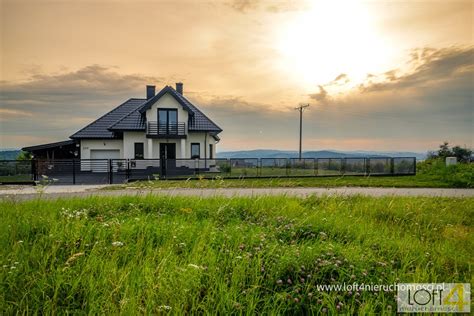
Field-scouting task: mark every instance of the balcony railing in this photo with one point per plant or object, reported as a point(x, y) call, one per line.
point(170, 130)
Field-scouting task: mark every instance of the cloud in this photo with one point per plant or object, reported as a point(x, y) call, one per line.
point(409, 110)
point(321, 95)
point(428, 66)
point(244, 6)
point(56, 105)
point(11, 114)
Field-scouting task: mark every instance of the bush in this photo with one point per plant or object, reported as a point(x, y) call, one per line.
point(460, 175)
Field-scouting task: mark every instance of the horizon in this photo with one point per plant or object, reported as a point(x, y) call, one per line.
point(286, 151)
point(372, 82)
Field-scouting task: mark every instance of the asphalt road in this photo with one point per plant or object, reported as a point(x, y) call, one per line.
point(55, 192)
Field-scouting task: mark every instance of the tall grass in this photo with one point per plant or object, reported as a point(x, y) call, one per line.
point(263, 255)
point(460, 175)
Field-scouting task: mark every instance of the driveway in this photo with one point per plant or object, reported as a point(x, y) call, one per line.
point(54, 192)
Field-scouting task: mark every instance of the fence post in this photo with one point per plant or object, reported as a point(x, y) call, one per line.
point(127, 172)
point(316, 166)
point(33, 169)
point(111, 170)
point(392, 166)
point(367, 166)
point(73, 171)
point(343, 166)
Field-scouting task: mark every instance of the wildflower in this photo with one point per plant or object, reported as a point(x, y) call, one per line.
point(353, 276)
point(324, 310)
point(289, 281)
point(279, 282)
point(195, 266)
point(117, 244)
point(164, 308)
point(297, 300)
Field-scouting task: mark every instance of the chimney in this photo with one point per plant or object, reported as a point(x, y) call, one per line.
point(179, 87)
point(150, 92)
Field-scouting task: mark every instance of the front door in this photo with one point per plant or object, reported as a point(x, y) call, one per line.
point(167, 158)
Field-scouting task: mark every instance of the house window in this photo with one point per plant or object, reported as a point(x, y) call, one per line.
point(195, 150)
point(167, 121)
point(139, 151)
point(211, 151)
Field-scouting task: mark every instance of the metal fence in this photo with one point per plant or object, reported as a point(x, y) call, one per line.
point(93, 171)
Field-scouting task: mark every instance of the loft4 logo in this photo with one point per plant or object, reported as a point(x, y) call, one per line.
point(434, 297)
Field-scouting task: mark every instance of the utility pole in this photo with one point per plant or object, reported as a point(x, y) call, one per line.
point(300, 108)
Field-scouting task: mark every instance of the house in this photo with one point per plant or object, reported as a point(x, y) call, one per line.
point(165, 125)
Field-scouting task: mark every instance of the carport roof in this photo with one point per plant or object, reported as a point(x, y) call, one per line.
point(48, 146)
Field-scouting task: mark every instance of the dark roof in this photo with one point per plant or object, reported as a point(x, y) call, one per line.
point(130, 116)
point(135, 120)
point(48, 146)
point(99, 128)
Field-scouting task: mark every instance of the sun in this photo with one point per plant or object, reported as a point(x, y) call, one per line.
point(330, 38)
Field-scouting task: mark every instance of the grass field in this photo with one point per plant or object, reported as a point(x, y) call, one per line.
point(418, 181)
point(264, 255)
point(430, 174)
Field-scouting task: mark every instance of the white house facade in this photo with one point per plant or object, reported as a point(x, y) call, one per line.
point(165, 125)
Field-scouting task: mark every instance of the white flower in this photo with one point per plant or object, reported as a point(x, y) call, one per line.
point(164, 307)
point(117, 244)
point(194, 266)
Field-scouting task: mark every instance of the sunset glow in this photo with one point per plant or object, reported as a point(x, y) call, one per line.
point(378, 71)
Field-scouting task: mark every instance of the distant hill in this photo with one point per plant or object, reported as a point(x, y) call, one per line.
point(9, 154)
point(270, 153)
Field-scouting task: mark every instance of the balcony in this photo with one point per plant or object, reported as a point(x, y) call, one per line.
point(170, 130)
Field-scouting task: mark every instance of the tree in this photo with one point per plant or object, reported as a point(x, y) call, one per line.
point(24, 155)
point(444, 150)
point(462, 154)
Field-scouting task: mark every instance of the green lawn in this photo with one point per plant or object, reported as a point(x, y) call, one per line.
point(16, 178)
point(263, 255)
point(431, 174)
point(418, 181)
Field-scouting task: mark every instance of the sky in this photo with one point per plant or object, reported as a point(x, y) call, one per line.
point(378, 75)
